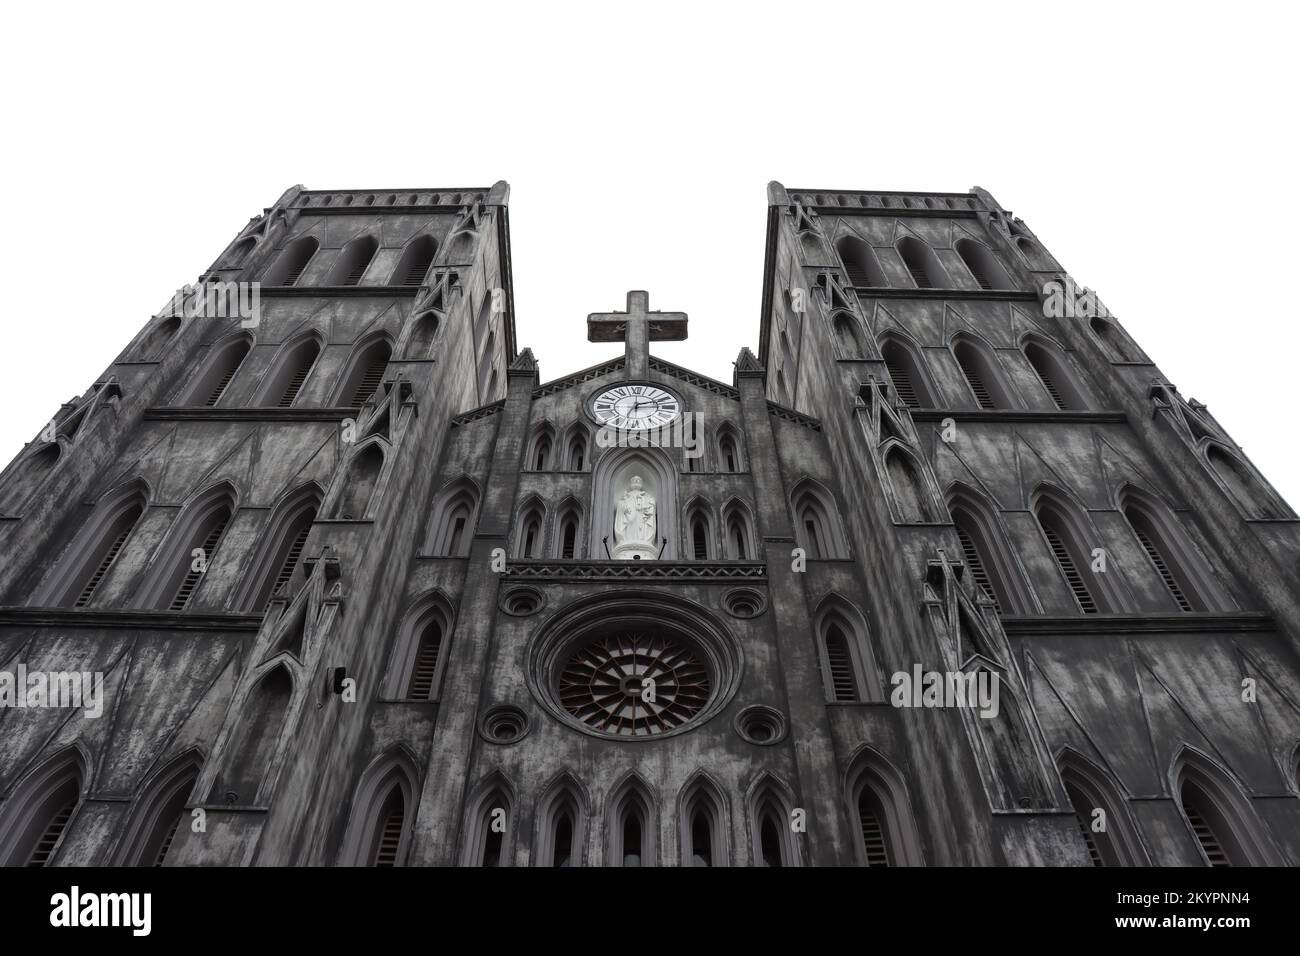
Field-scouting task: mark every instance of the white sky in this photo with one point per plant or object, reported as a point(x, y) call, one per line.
point(1147, 145)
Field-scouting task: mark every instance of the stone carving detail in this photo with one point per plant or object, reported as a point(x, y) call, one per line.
point(635, 524)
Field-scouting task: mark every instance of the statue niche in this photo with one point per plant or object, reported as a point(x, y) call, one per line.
point(633, 504)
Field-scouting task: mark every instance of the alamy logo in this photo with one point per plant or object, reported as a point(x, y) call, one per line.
point(977, 689)
point(75, 908)
point(24, 688)
point(1065, 300)
point(219, 300)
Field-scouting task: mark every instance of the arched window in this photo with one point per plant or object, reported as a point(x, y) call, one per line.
point(699, 531)
point(161, 812)
point(352, 261)
point(848, 670)
point(703, 824)
point(423, 672)
point(1180, 568)
point(539, 452)
point(729, 451)
point(860, 263)
point(922, 264)
point(562, 824)
point(414, 264)
point(424, 330)
point(216, 374)
point(878, 803)
point(1034, 255)
point(1071, 552)
point(1241, 484)
point(190, 550)
point(27, 475)
point(239, 252)
point(739, 536)
point(1100, 813)
point(846, 335)
point(576, 452)
point(281, 550)
point(905, 372)
point(292, 262)
point(1111, 339)
point(817, 528)
point(157, 340)
point(97, 545)
point(982, 374)
point(454, 519)
point(256, 736)
point(365, 372)
point(905, 480)
point(489, 820)
point(569, 525)
point(770, 830)
point(528, 541)
point(37, 814)
point(1219, 816)
point(360, 482)
point(288, 372)
point(983, 265)
point(1056, 377)
point(984, 550)
point(632, 837)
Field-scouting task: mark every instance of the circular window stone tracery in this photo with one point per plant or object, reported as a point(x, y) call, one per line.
point(633, 666)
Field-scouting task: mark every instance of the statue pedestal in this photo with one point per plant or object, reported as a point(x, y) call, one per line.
point(631, 550)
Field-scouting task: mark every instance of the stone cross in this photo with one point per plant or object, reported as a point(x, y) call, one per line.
point(637, 327)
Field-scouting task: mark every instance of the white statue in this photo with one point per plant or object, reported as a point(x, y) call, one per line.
point(634, 523)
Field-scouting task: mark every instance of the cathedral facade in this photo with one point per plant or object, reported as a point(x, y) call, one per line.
point(322, 572)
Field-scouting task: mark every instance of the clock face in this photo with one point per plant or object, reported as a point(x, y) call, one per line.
point(635, 406)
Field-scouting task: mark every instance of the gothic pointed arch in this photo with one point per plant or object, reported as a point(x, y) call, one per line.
point(632, 831)
point(922, 264)
point(156, 341)
point(1181, 568)
point(701, 545)
point(530, 528)
point(562, 820)
point(455, 516)
point(159, 811)
point(703, 825)
point(383, 812)
point(860, 262)
point(769, 807)
point(361, 480)
point(423, 331)
point(730, 459)
point(352, 261)
point(253, 741)
point(979, 366)
point(1242, 485)
point(364, 371)
point(982, 264)
point(1033, 253)
point(611, 478)
point(279, 553)
point(577, 448)
point(289, 370)
point(292, 261)
point(818, 528)
point(488, 833)
point(849, 670)
point(95, 547)
point(420, 652)
point(39, 812)
point(1112, 341)
point(1217, 812)
point(240, 252)
point(848, 337)
point(1101, 812)
point(569, 535)
point(541, 448)
point(911, 496)
point(902, 361)
point(189, 549)
point(1054, 371)
point(988, 558)
point(217, 371)
point(27, 475)
point(738, 531)
point(414, 263)
point(878, 803)
point(1072, 541)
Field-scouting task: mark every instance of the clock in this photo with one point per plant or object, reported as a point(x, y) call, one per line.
point(635, 405)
